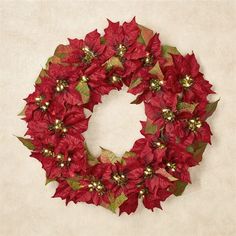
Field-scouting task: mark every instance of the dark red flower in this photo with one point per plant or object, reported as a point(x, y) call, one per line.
point(89, 50)
point(72, 122)
point(184, 77)
point(65, 159)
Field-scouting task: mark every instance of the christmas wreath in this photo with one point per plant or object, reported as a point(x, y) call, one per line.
point(175, 133)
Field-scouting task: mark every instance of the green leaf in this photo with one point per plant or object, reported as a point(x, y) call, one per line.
point(49, 181)
point(83, 88)
point(150, 128)
point(145, 35)
point(92, 160)
point(62, 50)
point(156, 70)
point(117, 202)
point(113, 62)
point(102, 40)
point(211, 107)
point(22, 113)
point(74, 184)
point(108, 156)
point(186, 107)
point(199, 150)
point(27, 142)
point(166, 51)
point(135, 83)
point(178, 188)
point(42, 73)
point(127, 155)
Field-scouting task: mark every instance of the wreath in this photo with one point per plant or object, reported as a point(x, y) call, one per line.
point(175, 133)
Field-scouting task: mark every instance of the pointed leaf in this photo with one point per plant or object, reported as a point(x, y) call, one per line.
point(42, 73)
point(22, 113)
point(74, 184)
point(156, 70)
point(92, 160)
point(197, 149)
point(27, 142)
point(150, 128)
point(83, 88)
point(117, 202)
point(108, 156)
point(113, 62)
point(49, 181)
point(135, 82)
point(178, 187)
point(186, 107)
point(167, 51)
point(145, 35)
point(211, 107)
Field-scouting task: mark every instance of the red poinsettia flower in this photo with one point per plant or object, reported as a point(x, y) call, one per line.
point(123, 40)
point(63, 81)
point(122, 177)
point(38, 103)
point(89, 50)
point(184, 77)
point(177, 162)
point(162, 110)
point(93, 190)
point(194, 128)
point(153, 52)
point(65, 160)
point(148, 86)
point(152, 190)
point(72, 122)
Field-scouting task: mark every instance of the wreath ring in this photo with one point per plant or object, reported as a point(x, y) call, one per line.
point(175, 132)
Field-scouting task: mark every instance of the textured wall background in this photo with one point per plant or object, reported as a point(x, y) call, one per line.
point(30, 31)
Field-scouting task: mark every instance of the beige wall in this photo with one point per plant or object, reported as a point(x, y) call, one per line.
point(30, 30)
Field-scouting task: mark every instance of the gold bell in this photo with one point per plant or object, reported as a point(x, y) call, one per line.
point(61, 85)
point(115, 79)
point(45, 106)
point(187, 81)
point(143, 192)
point(120, 179)
point(148, 60)
point(84, 78)
point(171, 166)
point(158, 144)
point(97, 186)
point(194, 124)
point(168, 115)
point(121, 50)
point(47, 152)
point(88, 54)
point(155, 84)
point(148, 172)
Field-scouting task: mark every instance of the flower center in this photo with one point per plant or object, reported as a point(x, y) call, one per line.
point(121, 50)
point(84, 78)
point(171, 166)
point(158, 144)
point(42, 106)
point(61, 85)
point(148, 172)
point(167, 114)
point(187, 81)
point(120, 179)
point(115, 79)
point(143, 192)
point(96, 186)
point(194, 124)
point(88, 54)
point(148, 60)
point(47, 152)
point(58, 126)
point(155, 84)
